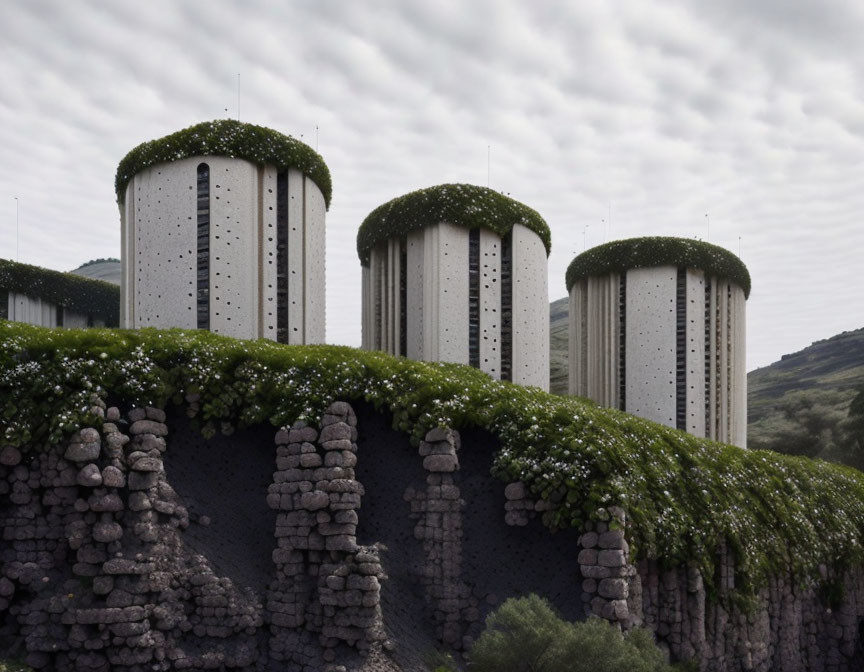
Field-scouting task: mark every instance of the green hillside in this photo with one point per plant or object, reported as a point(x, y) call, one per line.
point(800, 404)
point(558, 340)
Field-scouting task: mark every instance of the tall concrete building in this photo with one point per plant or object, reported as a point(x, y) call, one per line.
point(458, 273)
point(657, 329)
point(223, 229)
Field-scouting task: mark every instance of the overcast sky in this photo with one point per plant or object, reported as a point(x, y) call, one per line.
point(748, 111)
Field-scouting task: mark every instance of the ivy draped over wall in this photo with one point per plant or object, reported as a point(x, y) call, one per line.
point(464, 205)
point(684, 495)
point(227, 137)
point(78, 294)
point(652, 251)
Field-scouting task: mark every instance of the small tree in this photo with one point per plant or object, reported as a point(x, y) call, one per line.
point(526, 635)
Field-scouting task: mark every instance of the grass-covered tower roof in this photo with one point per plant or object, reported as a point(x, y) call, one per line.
point(231, 138)
point(461, 204)
point(652, 251)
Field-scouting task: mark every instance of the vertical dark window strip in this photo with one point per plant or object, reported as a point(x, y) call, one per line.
point(203, 293)
point(474, 297)
point(507, 307)
point(58, 316)
point(681, 351)
point(622, 342)
point(4, 304)
point(282, 257)
point(707, 356)
point(583, 341)
point(403, 296)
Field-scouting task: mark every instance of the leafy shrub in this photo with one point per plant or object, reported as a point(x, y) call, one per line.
point(652, 251)
point(526, 635)
point(683, 494)
point(463, 205)
point(231, 138)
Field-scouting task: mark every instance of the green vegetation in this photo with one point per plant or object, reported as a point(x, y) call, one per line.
point(683, 494)
point(559, 346)
point(227, 137)
point(803, 404)
point(459, 204)
point(81, 295)
point(526, 635)
point(622, 255)
point(14, 666)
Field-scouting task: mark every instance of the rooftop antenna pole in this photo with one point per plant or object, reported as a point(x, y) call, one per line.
point(584, 239)
point(603, 222)
point(708, 228)
point(739, 246)
point(17, 233)
point(316, 137)
point(238, 96)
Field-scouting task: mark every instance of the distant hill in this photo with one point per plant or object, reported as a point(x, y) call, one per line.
point(100, 269)
point(558, 344)
point(835, 364)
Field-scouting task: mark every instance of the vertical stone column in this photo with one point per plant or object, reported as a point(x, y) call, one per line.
point(438, 511)
point(326, 585)
point(608, 578)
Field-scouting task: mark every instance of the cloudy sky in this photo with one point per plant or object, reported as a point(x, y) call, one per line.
point(751, 113)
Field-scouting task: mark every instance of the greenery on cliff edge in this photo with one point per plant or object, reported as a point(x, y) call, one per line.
point(684, 495)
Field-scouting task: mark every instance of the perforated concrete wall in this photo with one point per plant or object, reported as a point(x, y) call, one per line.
point(650, 337)
point(713, 366)
point(160, 250)
point(436, 300)
point(530, 309)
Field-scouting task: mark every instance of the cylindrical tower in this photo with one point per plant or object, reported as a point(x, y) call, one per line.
point(457, 273)
point(657, 329)
point(223, 229)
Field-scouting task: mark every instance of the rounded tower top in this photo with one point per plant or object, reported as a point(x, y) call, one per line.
point(652, 251)
point(464, 205)
point(231, 138)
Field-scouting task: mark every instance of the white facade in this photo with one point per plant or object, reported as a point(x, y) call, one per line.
point(664, 344)
point(240, 295)
point(421, 299)
point(30, 310)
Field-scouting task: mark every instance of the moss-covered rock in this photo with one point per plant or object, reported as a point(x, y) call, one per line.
point(460, 204)
point(227, 137)
point(683, 494)
point(652, 251)
point(81, 295)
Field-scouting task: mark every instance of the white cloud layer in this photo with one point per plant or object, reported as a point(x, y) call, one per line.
point(751, 112)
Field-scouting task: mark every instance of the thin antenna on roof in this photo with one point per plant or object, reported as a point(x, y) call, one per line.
point(488, 164)
point(708, 228)
point(316, 137)
point(603, 222)
point(17, 233)
point(238, 96)
point(584, 238)
point(739, 246)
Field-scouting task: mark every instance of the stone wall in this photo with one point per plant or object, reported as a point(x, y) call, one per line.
point(98, 572)
point(792, 625)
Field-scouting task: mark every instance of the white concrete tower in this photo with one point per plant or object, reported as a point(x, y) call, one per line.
point(458, 273)
point(657, 329)
point(223, 229)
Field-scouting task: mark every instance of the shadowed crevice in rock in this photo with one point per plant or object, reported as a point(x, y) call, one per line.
point(223, 483)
